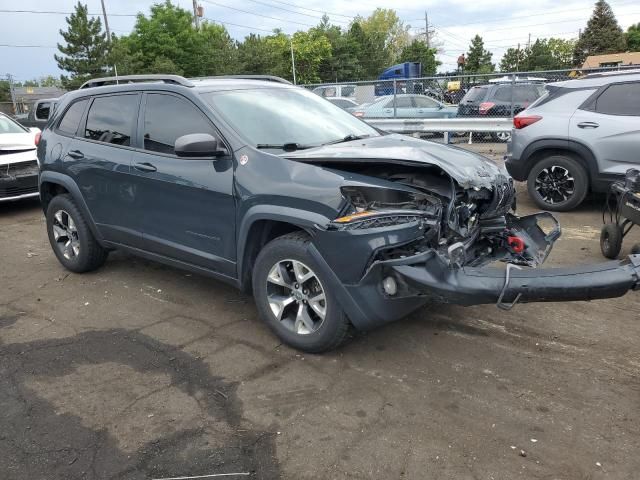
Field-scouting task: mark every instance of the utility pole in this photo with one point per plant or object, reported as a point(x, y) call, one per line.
point(293, 61)
point(12, 92)
point(426, 28)
point(196, 17)
point(529, 42)
point(106, 22)
point(518, 59)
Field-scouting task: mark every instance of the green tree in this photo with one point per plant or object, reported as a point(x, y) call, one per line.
point(49, 81)
point(602, 35)
point(343, 64)
point(561, 52)
point(513, 60)
point(383, 36)
point(255, 57)
point(633, 38)
point(167, 42)
point(5, 92)
point(85, 52)
point(478, 58)
point(417, 51)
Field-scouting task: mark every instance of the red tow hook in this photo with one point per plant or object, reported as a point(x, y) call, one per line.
point(516, 244)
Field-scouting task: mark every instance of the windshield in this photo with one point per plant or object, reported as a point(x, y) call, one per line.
point(9, 126)
point(279, 116)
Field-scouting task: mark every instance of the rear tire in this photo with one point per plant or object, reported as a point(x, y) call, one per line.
point(71, 238)
point(286, 285)
point(558, 183)
point(501, 137)
point(611, 240)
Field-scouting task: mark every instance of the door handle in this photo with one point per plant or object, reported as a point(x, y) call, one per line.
point(145, 167)
point(588, 125)
point(77, 154)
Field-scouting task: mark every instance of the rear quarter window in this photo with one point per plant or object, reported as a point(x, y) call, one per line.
point(71, 118)
point(620, 99)
point(476, 94)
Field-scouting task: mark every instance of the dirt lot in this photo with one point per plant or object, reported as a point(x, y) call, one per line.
point(142, 371)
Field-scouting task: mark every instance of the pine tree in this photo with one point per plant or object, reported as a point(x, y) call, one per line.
point(602, 35)
point(478, 59)
point(86, 51)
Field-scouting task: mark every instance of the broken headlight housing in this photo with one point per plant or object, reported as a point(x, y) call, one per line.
point(374, 207)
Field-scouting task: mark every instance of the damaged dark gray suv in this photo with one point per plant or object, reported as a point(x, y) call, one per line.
point(331, 223)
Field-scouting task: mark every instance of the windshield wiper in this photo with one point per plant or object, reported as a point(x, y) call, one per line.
point(349, 138)
point(287, 147)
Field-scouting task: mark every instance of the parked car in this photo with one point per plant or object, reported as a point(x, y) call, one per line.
point(39, 114)
point(494, 100)
point(405, 106)
point(331, 223)
point(329, 91)
point(581, 135)
point(344, 103)
point(18, 161)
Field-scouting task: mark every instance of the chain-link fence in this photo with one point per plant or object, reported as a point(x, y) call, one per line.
point(482, 97)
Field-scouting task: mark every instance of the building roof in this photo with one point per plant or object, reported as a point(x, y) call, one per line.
point(31, 94)
point(624, 58)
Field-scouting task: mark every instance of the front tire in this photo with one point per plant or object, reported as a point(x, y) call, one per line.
point(71, 238)
point(611, 240)
point(558, 183)
point(294, 299)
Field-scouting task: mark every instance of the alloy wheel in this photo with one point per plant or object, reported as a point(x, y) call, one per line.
point(296, 296)
point(504, 136)
point(65, 235)
point(555, 185)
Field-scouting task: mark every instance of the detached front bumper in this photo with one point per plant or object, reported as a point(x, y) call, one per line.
point(434, 277)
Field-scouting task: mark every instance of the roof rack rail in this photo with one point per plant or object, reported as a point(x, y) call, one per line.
point(174, 79)
point(630, 71)
point(267, 78)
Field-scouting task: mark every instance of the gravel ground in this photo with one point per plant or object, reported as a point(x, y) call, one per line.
point(142, 371)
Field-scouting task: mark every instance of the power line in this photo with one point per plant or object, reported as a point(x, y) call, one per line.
point(52, 12)
point(297, 13)
point(258, 14)
point(25, 46)
point(313, 10)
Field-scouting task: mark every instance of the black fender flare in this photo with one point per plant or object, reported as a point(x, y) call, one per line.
point(70, 185)
point(584, 153)
point(303, 219)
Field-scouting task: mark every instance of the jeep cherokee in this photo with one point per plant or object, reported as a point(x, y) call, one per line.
point(330, 222)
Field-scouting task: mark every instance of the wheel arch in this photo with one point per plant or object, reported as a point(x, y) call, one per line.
point(260, 225)
point(52, 184)
point(540, 149)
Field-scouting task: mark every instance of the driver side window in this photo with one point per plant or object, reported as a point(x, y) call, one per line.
point(166, 118)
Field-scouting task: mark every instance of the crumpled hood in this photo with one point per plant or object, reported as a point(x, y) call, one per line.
point(467, 168)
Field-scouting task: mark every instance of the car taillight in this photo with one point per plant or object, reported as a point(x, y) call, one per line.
point(36, 139)
point(525, 120)
point(358, 114)
point(485, 107)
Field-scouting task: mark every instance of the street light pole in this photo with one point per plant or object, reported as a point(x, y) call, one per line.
point(106, 22)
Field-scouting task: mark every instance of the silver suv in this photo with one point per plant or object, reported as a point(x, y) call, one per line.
point(581, 135)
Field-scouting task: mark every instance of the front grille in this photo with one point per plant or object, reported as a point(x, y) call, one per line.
point(20, 169)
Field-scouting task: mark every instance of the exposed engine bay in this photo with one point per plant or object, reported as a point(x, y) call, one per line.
point(469, 226)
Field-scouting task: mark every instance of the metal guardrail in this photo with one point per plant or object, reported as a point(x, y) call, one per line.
point(446, 126)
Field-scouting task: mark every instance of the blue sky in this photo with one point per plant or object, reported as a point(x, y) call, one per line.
point(501, 23)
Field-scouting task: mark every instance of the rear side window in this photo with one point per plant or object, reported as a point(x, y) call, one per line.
point(401, 102)
point(42, 110)
point(71, 118)
point(424, 102)
point(166, 118)
point(111, 119)
point(620, 99)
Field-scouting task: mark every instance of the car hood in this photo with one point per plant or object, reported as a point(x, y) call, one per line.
point(17, 147)
point(467, 168)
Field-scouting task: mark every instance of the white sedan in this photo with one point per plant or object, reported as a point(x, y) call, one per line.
point(18, 161)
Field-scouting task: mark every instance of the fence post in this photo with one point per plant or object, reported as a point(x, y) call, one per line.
point(513, 87)
point(394, 98)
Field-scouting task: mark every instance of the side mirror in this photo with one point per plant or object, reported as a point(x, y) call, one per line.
point(199, 145)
